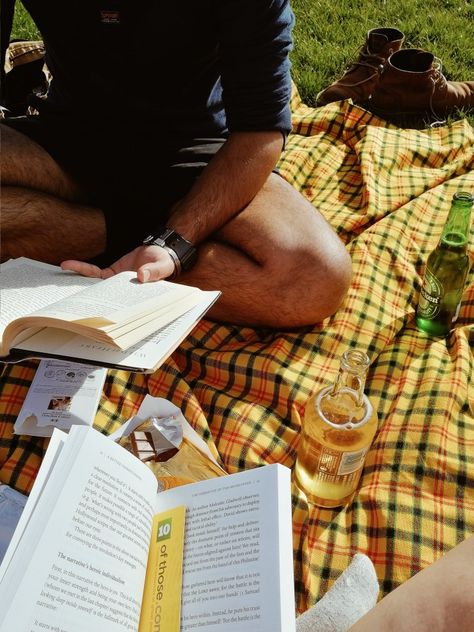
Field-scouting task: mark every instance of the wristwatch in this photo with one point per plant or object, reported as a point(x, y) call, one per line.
point(183, 253)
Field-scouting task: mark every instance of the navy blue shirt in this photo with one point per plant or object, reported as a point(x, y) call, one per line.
point(195, 67)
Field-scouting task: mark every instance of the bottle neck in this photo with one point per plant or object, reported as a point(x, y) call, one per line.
point(456, 230)
point(352, 375)
point(343, 404)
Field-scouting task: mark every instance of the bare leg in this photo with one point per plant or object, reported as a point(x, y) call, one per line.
point(440, 598)
point(41, 217)
point(277, 262)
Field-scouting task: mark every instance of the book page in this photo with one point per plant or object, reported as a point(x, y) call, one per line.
point(28, 285)
point(146, 355)
point(119, 298)
point(238, 553)
point(118, 311)
point(127, 335)
point(12, 504)
point(47, 465)
point(81, 561)
point(98, 312)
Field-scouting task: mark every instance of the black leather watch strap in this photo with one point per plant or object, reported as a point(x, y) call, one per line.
point(185, 253)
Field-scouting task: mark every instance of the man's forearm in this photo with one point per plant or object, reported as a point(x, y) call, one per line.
point(230, 181)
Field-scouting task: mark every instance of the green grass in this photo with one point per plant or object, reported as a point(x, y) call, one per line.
point(23, 27)
point(329, 33)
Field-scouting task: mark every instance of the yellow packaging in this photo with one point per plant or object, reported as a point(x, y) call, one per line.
point(188, 464)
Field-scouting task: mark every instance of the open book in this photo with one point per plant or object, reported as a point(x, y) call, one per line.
point(78, 558)
point(118, 322)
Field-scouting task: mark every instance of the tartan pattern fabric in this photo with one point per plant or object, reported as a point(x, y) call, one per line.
point(387, 192)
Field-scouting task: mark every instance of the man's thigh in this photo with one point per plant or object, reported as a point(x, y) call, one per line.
point(109, 159)
point(24, 162)
point(131, 172)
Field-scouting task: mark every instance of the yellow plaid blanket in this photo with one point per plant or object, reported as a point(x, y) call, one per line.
point(387, 193)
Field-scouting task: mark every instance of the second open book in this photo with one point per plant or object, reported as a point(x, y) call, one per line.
point(118, 322)
point(78, 559)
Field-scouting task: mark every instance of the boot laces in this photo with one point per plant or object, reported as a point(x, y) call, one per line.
point(367, 60)
point(438, 80)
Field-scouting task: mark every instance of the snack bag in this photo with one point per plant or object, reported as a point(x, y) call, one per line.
point(168, 445)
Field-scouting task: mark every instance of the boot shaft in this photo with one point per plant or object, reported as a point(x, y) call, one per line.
point(382, 42)
point(413, 86)
point(361, 78)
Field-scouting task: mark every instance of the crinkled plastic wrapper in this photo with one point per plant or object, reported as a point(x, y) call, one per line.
point(154, 441)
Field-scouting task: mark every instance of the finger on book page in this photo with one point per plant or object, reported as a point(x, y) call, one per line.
point(87, 269)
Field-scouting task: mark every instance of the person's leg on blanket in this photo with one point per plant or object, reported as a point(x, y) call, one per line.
point(43, 217)
point(440, 598)
point(277, 261)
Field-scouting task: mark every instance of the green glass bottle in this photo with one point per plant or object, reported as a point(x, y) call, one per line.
point(446, 271)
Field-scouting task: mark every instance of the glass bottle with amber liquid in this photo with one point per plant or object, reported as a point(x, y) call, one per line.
point(446, 271)
point(338, 428)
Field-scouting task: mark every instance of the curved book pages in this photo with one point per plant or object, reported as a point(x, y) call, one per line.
point(117, 322)
point(99, 548)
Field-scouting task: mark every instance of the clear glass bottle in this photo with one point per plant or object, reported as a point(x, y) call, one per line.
point(446, 271)
point(338, 428)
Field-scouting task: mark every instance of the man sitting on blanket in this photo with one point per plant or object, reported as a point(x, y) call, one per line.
point(168, 119)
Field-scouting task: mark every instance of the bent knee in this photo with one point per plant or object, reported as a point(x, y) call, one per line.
point(337, 279)
point(322, 283)
point(334, 280)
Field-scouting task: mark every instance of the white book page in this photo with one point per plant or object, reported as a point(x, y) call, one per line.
point(12, 504)
point(119, 298)
point(147, 355)
point(158, 319)
point(27, 285)
point(32, 289)
point(81, 562)
point(238, 553)
point(47, 464)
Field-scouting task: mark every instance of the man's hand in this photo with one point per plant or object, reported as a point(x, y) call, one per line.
point(151, 263)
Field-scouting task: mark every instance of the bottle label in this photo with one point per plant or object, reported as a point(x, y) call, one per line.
point(352, 461)
point(337, 463)
point(431, 295)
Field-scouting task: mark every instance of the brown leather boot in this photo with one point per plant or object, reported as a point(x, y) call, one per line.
point(412, 89)
point(361, 78)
